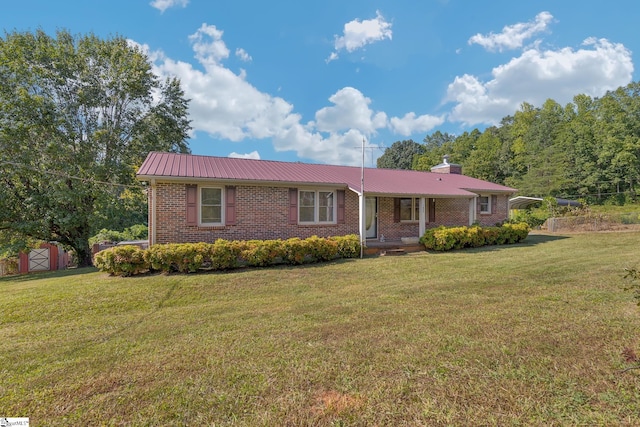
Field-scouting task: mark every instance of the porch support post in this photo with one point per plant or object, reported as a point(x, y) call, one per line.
point(472, 210)
point(422, 217)
point(361, 222)
point(152, 214)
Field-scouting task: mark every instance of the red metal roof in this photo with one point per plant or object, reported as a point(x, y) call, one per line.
point(167, 166)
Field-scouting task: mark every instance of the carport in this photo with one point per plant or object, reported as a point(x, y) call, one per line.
point(523, 202)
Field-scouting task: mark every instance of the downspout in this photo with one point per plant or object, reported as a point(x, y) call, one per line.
point(152, 232)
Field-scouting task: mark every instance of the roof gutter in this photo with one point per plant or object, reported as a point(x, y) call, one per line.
point(180, 179)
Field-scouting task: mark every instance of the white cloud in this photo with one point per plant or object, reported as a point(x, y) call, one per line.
point(410, 124)
point(337, 134)
point(252, 155)
point(243, 55)
point(513, 36)
point(208, 45)
point(163, 5)
point(332, 57)
point(350, 110)
point(538, 75)
point(336, 148)
point(225, 105)
point(357, 34)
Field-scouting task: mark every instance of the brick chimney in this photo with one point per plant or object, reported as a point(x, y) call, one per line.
point(446, 167)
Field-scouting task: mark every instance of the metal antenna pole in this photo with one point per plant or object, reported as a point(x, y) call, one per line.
point(362, 170)
point(364, 202)
point(363, 208)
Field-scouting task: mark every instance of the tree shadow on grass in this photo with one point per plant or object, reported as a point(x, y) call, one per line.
point(47, 274)
point(536, 239)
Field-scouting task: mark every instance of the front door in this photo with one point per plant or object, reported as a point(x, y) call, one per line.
point(371, 217)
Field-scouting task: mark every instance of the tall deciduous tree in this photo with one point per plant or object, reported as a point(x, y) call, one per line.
point(400, 155)
point(484, 161)
point(78, 114)
point(436, 146)
point(618, 137)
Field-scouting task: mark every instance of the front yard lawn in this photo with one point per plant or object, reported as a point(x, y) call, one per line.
point(526, 334)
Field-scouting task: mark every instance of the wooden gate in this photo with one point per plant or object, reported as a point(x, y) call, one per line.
point(39, 259)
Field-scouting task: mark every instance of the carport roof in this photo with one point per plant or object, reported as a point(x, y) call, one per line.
point(522, 202)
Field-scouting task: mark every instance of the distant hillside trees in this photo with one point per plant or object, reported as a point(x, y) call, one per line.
point(587, 149)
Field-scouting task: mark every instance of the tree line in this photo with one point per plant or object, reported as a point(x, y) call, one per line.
point(78, 115)
point(589, 149)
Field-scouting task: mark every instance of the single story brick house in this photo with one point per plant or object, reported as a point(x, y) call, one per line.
point(196, 198)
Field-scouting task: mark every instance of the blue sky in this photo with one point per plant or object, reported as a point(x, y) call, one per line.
point(309, 81)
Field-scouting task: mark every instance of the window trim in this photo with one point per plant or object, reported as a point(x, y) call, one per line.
point(316, 206)
point(415, 209)
point(222, 206)
point(488, 210)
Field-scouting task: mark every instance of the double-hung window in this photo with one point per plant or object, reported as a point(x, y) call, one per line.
point(316, 207)
point(485, 204)
point(211, 205)
point(410, 209)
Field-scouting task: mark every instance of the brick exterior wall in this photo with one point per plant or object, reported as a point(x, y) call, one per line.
point(450, 212)
point(501, 212)
point(388, 227)
point(262, 212)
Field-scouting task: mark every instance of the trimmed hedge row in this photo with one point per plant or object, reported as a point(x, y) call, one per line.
point(224, 255)
point(447, 238)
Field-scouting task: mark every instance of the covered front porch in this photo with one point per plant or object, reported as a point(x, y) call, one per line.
point(396, 221)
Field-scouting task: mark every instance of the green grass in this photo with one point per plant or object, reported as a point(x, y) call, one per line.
point(529, 334)
point(615, 209)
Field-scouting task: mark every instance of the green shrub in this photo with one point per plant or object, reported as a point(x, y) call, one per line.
point(533, 217)
point(135, 232)
point(9, 265)
point(515, 233)
point(124, 260)
point(321, 249)
point(475, 237)
point(438, 239)
point(295, 251)
point(348, 246)
point(179, 257)
point(190, 257)
point(261, 253)
point(158, 257)
point(491, 235)
point(224, 254)
point(447, 238)
point(459, 236)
